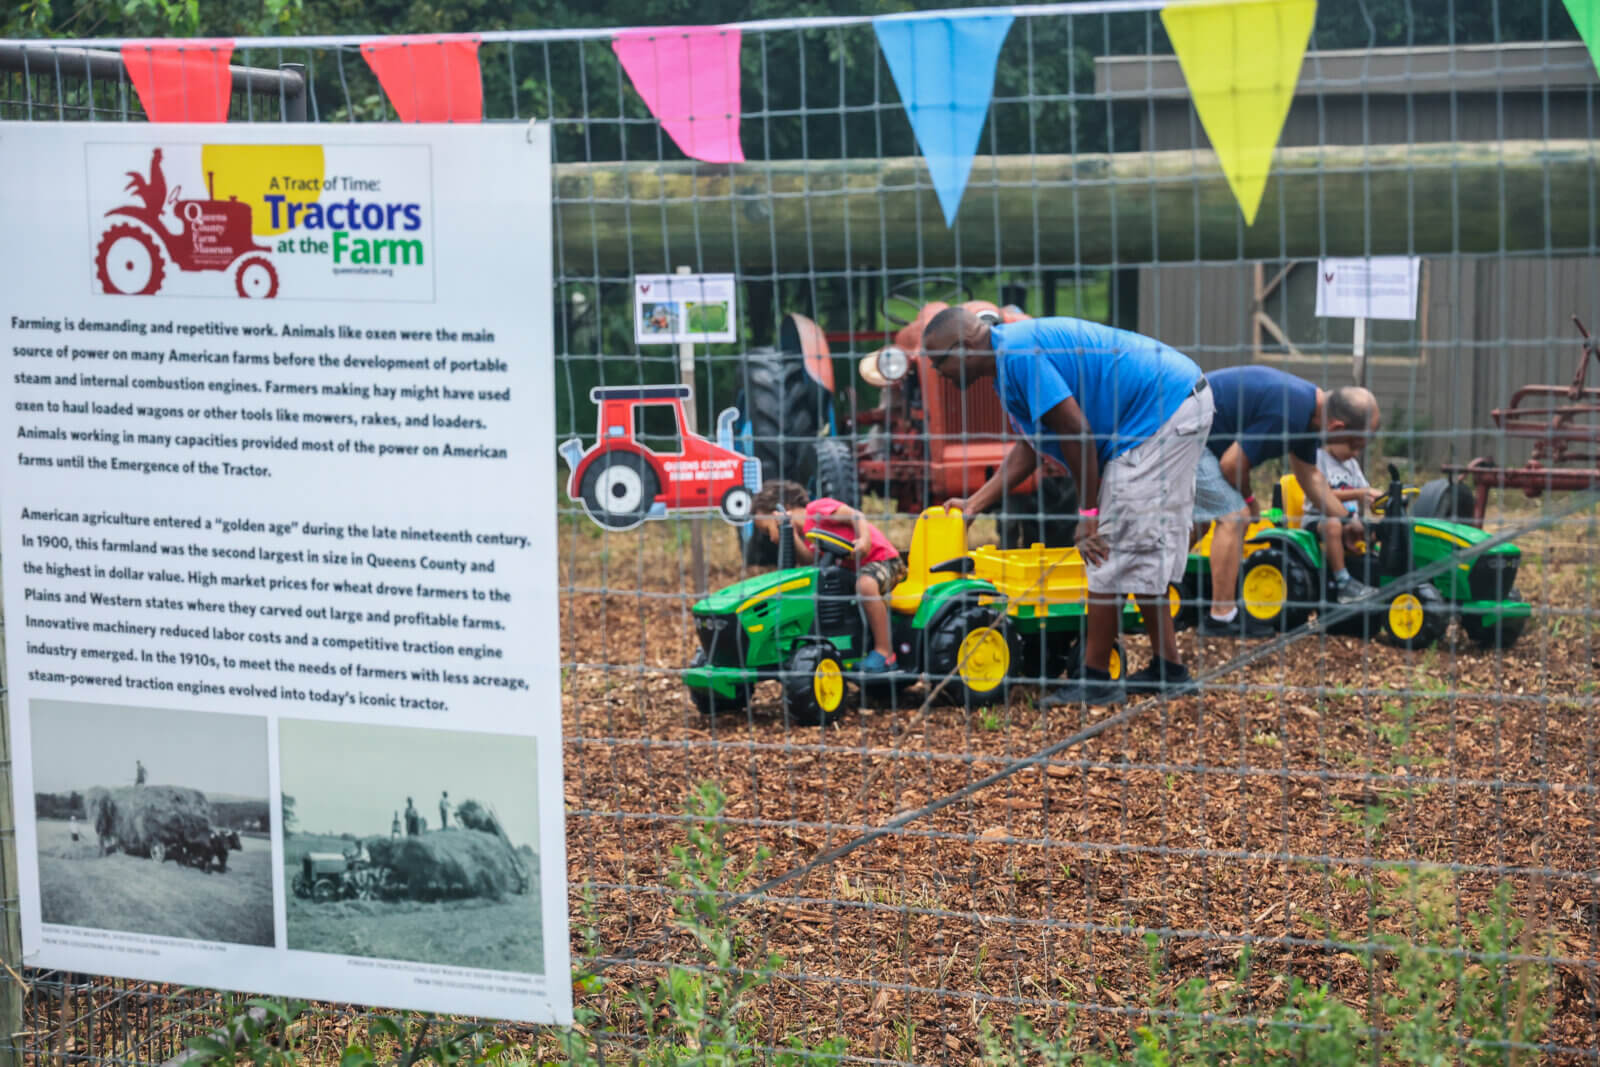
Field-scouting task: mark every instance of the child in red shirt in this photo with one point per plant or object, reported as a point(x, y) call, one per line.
point(877, 563)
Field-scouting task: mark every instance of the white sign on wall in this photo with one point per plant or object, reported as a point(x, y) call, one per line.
point(672, 308)
point(283, 652)
point(1379, 287)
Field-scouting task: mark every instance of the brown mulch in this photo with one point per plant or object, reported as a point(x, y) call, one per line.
point(1229, 817)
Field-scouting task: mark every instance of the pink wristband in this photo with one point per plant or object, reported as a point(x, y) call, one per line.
point(1090, 513)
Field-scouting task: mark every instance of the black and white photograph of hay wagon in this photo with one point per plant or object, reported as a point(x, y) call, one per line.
point(369, 874)
point(153, 821)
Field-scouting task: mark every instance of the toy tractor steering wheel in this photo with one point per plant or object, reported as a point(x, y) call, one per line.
point(912, 293)
point(830, 545)
point(1379, 505)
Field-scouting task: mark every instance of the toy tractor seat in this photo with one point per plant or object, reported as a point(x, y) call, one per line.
point(1291, 500)
point(939, 537)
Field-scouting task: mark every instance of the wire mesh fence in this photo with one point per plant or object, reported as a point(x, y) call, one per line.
point(1330, 834)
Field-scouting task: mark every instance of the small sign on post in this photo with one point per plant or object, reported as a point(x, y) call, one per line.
point(684, 307)
point(697, 538)
point(1376, 287)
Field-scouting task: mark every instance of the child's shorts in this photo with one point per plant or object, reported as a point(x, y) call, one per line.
point(888, 572)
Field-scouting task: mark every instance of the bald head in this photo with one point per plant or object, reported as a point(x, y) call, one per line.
point(957, 343)
point(1354, 408)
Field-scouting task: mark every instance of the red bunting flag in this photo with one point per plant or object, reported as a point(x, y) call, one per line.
point(429, 78)
point(181, 81)
point(689, 79)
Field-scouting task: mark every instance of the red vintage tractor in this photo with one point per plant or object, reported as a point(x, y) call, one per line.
point(212, 235)
point(925, 442)
point(645, 463)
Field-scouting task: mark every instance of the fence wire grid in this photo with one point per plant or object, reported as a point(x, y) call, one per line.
point(1324, 807)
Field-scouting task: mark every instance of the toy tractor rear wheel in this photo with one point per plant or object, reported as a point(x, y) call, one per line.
point(836, 471)
point(1276, 588)
point(1415, 618)
point(709, 702)
point(814, 690)
point(618, 490)
point(1501, 633)
point(1042, 656)
point(973, 653)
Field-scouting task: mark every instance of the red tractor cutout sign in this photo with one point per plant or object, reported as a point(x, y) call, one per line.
point(212, 235)
point(645, 463)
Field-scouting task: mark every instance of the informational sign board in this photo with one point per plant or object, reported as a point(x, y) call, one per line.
point(1379, 287)
point(282, 648)
point(672, 308)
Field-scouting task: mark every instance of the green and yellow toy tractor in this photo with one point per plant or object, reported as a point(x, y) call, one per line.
point(965, 623)
point(1284, 579)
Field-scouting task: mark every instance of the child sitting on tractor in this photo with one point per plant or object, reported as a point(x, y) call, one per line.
point(1340, 464)
point(877, 562)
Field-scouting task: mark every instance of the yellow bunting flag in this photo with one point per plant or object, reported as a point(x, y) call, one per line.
point(1241, 60)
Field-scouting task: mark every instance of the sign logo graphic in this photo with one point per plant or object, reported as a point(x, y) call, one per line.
point(135, 251)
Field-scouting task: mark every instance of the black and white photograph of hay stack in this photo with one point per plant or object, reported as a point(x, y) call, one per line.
point(153, 821)
point(411, 844)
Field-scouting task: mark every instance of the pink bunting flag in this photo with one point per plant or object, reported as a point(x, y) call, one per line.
point(181, 81)
point(689, 79)
point(433, 78)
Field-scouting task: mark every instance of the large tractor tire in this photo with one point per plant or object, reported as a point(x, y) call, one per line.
point(1446, 498)
point(836, 471)
point(1277, 589)
point(1049, 517)
point(973, 653)
point(787, 410)
point(128, 261)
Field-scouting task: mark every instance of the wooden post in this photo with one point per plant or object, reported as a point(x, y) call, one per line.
point(1358, 349)
point(697, 524)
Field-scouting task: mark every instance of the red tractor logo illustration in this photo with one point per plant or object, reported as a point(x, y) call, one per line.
point(644, 463)
point(210, 234)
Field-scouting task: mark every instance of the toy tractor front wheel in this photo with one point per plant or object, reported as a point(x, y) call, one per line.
point(1276, 588)
point(814, 691)
point(1415, 618)
point(618, 490)
point(709, 702)
point(1502, 632)
point(972, 652)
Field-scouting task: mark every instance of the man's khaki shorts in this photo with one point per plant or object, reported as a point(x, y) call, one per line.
point(1147, 504)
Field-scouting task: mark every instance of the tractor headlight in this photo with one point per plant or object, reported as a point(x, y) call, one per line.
point(893, 363)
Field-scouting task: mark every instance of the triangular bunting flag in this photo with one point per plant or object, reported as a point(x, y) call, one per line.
point(181, 81)
point(944, 70)
point(1242, 61)
point(689, 79)
point(1586, 16)
point(429, 78)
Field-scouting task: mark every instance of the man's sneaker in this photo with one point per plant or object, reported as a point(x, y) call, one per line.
point(1085, 690)
point(1350, 588)
point(874, 663)
point(1242, 624)
point(1160, 677)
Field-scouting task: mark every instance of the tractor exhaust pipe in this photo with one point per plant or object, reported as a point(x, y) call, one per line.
point(211, 184)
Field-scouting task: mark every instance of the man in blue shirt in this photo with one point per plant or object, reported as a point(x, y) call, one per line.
point(1128, 416)
point(1263, 413)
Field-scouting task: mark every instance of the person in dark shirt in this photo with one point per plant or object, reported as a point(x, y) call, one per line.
point(1263, 413)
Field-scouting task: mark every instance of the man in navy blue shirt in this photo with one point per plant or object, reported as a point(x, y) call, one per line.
point(1128, 416)
point(1263, 413)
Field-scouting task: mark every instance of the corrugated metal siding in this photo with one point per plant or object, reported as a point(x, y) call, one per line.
point(1493, 324)
point(1354, 120)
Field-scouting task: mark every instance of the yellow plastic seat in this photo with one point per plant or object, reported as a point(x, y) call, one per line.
point(1294, 500)
point(938, 537)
